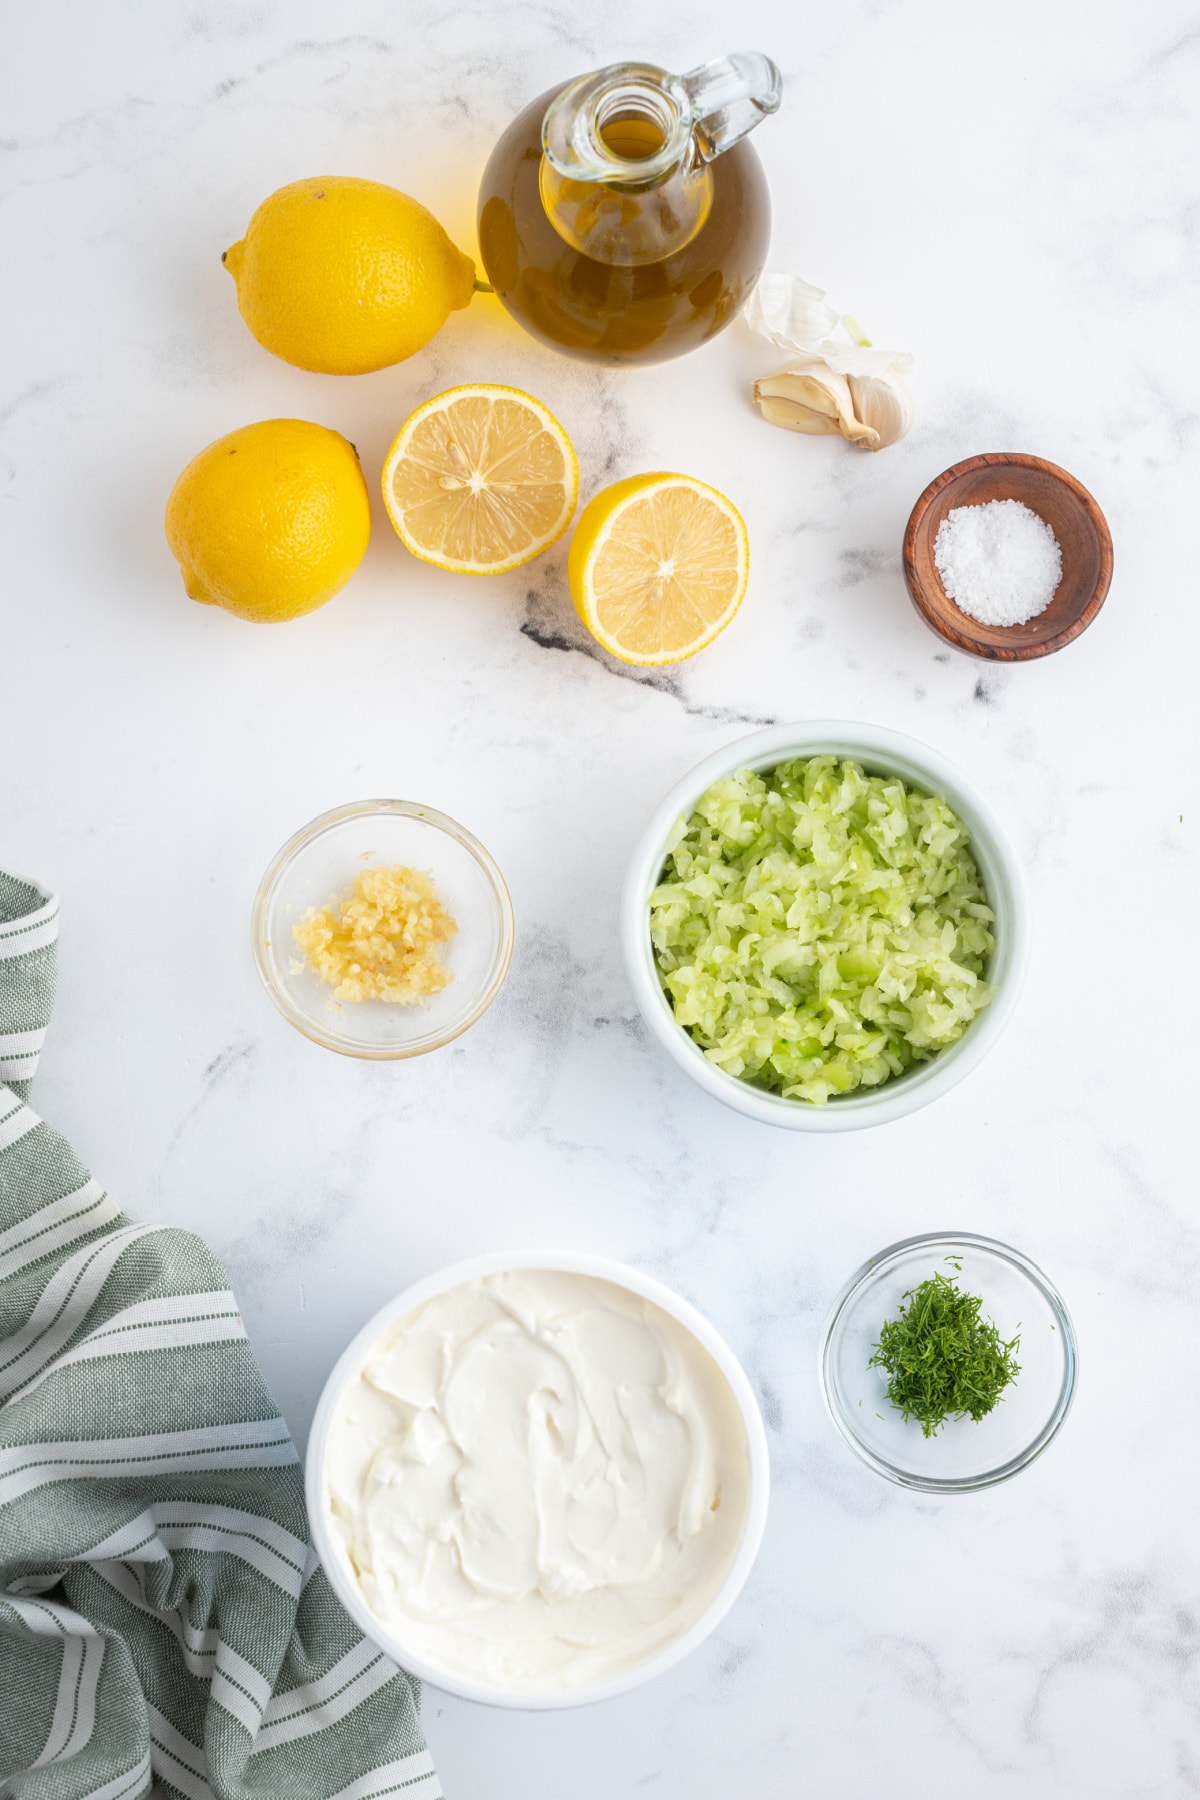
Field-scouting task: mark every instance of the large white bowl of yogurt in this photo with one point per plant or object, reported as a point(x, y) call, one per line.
point(537, 1479)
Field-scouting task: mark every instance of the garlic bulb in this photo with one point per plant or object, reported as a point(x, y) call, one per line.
point(829, 386)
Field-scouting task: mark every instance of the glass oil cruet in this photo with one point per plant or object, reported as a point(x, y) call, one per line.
point(624, 218)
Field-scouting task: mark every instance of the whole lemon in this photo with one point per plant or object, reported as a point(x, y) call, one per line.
point(344, 276)
point(270, 521)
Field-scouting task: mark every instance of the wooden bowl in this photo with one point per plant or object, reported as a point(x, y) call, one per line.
point(1072, 515)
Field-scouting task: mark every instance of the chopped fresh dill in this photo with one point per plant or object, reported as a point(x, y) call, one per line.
point(943, 1360)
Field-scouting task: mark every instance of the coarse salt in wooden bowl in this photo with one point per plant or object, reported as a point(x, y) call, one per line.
point(1071, 513)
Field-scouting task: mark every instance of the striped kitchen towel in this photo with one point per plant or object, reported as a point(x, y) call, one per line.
point(164, 1624)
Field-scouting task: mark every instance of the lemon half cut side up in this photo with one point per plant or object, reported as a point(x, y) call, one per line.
point(658, 567)
point(480, 480)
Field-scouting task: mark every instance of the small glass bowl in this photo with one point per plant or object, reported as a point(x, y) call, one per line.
point(322, 860)
point(965, 1454)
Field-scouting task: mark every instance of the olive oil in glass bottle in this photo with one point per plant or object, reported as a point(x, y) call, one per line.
point(624, 218)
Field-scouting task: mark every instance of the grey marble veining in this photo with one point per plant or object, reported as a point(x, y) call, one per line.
point(1011, 194)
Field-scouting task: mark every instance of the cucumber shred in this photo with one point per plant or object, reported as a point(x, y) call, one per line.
point(818, 929)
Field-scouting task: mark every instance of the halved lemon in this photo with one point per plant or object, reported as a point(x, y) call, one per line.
point(658, 567)
point(480, 480)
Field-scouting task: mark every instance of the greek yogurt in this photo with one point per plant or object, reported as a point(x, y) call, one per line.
point(538, 1479)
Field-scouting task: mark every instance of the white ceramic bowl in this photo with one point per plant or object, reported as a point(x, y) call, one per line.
point(332, 1552)
point(881, 752)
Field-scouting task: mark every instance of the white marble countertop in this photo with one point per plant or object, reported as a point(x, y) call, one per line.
point(1011, 195)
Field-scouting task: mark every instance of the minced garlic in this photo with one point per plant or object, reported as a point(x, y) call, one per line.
point(379, 940)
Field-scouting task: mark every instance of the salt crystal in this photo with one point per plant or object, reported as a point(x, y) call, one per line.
point(999, 562)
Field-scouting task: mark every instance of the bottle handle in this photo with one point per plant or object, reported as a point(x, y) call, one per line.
point(729, 97)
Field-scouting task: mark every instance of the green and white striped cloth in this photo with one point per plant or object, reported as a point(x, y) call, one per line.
point(164, 1624)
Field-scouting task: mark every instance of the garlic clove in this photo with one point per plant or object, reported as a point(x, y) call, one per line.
point(885, 404)
point(814, 400)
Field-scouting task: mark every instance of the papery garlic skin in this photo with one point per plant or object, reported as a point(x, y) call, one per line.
point(789, 312)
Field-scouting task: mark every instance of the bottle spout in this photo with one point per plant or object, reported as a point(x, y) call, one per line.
point(729, 97)
point(681, 118)
point(586, 133)
point(625, 176)
point(620, 178)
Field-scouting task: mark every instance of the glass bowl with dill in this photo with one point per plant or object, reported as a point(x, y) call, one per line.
point(948, 1362)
